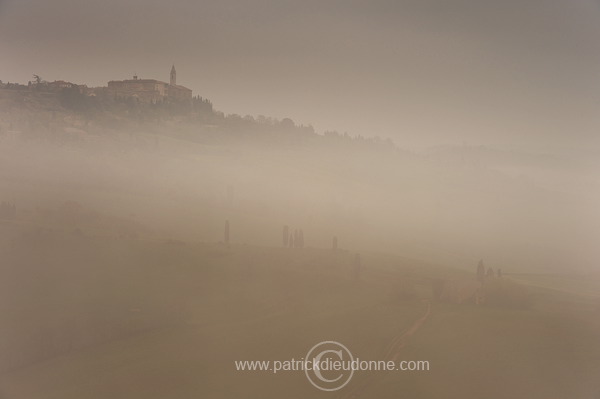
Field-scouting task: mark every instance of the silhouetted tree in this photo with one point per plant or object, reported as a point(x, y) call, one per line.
point(480, 271)
point(291, 241)
point(490, 272)
point(286, 235)
point(287, 123)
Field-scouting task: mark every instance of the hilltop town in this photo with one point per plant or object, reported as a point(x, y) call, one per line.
point(72, 111)
point(143, 90)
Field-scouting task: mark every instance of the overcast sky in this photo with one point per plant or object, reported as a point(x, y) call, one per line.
point(505, 72)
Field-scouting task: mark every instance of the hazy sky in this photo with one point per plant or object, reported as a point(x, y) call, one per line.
point(421, 71)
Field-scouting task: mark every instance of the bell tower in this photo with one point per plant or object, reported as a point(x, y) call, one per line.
point(173, 76)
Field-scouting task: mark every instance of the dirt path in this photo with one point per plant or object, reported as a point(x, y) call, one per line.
point(393, 349)
point(392, 352)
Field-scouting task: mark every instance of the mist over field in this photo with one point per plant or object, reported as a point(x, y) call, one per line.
point(523, 210)
point(278, 181)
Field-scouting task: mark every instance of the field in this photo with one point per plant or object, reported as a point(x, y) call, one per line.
point(157, 319)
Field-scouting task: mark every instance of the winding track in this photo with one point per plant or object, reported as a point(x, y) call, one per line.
point(392, 352)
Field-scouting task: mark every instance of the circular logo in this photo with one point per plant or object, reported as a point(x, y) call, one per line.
point(329, 366)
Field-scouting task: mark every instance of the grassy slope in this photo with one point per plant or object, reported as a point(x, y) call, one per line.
point(243, 303)
point(266, 303)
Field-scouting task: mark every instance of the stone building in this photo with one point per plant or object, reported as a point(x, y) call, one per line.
point(150, 90)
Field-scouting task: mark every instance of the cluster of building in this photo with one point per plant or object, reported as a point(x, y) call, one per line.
point(150, 90)
point(49, 87)
point(143, 90)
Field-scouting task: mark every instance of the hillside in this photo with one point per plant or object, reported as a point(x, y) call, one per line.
point(68, 115)
point(170, 318)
